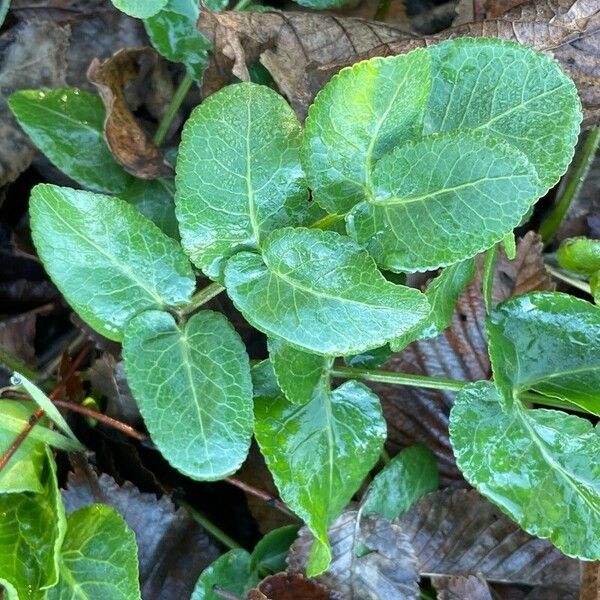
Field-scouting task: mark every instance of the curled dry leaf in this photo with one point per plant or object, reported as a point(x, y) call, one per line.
point(172, 549)
point(417, 415)
point(302, 50)
point(461, 588)
point(130, 144)
point(458, 532)
point(286, 586)
point(384, 569)
point(32, 55)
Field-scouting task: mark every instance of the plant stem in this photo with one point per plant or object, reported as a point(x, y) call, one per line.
point(571, 185)
point(202, 520)
point(242, 5)
point(274, 502)
point(178, 97)
point(576, 283)
point(326, 222)
point(202, 297)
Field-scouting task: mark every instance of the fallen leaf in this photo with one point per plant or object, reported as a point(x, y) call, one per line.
point(130, 144)
point(461, 588)
point(590, 581)
point(417, 415)
point(285, 586)
point(173, 550)
point(385, 569)
point(458, 532)
point(32, 55)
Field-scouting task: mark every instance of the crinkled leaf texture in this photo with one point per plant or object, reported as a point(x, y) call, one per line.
point(539, 466)
point(238, 173)
point(63, 121)
point(32, 529)
point(320, 452)
point(108, 260)
point(98, 558)
point(193, 387)
point(550, 343)
point(321, 292)
point(492, 125)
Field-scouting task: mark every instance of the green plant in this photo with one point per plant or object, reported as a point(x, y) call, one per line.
point(414, 163)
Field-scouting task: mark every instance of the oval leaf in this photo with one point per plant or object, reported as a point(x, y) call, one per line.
point(540, 466)
point(108, 260)
point(443, 199)
point(320, 291)
point(508, 90)
point(320, 452)
point(98, 557)
point(193, 388)
point(238, 173)
point(141, 9)
point(550, 343)
point(61, 122)
point(360, 115)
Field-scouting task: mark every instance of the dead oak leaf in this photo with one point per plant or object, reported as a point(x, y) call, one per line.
point(132, 147)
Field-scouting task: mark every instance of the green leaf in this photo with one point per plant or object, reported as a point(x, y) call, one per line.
point(154, 198)
point(238, 173)
point(141, 9)
point(44, 403)
point(231, 572)
point(510, 91)
point(109, 261)
point(269, 555)
point(443, 199)
point(264, 382)
point(23, 471)
point(193, 387)
point(98, 558)
point(549, 343)
point(320, 452)
point(408, 476)
point(32, 529)
point(319, 291)
point(539, 466)
point(61, 122)
point(370, 359)
point(323, 4)
point(580, 255)
point(4, 4)
point(173, 33)
point(298, 373)
point(361, 114)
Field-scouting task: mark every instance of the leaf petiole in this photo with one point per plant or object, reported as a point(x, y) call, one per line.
point(176, 101)
point(202, 297)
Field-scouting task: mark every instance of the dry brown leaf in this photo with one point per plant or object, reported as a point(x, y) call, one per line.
point(458, 532)
point(386, 568)
point(461, 588)
point(417, 415)
point(590, 581)
point(32, 55)
point(130, 144)
point(297, 47)
point(286, 586)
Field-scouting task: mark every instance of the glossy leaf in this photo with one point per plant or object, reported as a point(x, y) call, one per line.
point(106, 258)
point(141, 9)
point(173, 33)
point(23, 471)
point(269, 555)
point(298, 373)
point(320, 452)
point(193, 388)
point(550, 343)
point(409, 475)
point(154, 198)
point(443, 199)
point(98, 558)
point(370, 359)
point(231, 572)
point(540, 466)
point(264, 382)
point(238, 173)
point(63, 121)
point(580, 255)
point(361, 114)
point(32, 528)
point(319, 291)
point(510, 91)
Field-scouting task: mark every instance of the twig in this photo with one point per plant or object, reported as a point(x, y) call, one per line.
point(270, 500)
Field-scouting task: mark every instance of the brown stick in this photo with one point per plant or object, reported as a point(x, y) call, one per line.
point(270, 500)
